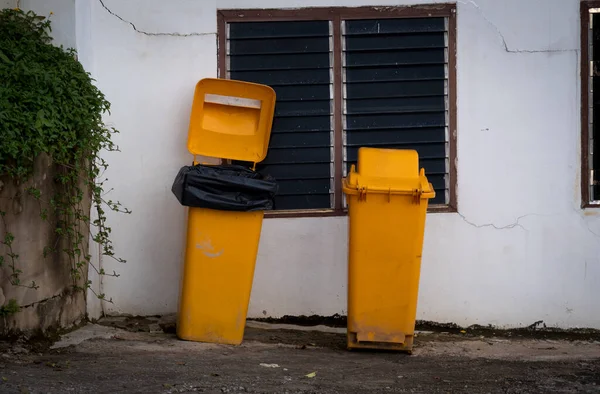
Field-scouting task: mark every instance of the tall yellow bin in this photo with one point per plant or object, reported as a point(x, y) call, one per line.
point(229, 120)
point(387, 201)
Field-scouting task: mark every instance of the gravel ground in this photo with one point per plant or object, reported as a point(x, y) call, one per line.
point(272, 359)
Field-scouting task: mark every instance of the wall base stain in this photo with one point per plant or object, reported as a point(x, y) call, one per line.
point(536, 330)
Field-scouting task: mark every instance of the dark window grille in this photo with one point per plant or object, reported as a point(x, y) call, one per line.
point(343, 80)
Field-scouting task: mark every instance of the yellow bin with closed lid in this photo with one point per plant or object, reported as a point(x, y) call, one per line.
point(229, 120)
point(387, 203)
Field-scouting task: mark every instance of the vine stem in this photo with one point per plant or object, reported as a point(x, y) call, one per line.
point(15, 272)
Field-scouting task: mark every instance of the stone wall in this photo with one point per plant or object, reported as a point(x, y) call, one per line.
point(53, 304)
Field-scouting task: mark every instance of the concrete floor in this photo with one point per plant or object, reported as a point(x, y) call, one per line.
point(288, 359)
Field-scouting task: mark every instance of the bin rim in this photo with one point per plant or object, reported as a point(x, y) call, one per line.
point(425, 189)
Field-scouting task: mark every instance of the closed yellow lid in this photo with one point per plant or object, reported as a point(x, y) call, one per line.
point(394, 171)
point(231, 120)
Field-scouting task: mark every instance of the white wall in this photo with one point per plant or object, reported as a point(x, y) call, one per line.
point(149, 78)
point(520, 250)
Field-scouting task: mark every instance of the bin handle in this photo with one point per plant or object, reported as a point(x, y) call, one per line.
point(363, 190)
point(196, 162)
point(417, 196)
point(362, 193)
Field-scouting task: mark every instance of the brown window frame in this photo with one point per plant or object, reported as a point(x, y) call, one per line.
point(336, 15)
point(585, 105)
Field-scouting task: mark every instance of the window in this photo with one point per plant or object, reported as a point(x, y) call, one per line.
point(347, 78)
point(590, 83)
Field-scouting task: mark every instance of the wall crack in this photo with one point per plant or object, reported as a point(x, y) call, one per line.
point(589, 229)
point(174, 34)
point(515, 224)
point(42, 301)
point(501, 36)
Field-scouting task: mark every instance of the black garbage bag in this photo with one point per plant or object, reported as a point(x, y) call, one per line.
point(224, 187)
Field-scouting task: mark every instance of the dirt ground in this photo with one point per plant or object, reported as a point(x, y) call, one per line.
point(136, 356)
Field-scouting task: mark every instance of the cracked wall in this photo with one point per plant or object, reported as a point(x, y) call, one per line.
point(519, 250)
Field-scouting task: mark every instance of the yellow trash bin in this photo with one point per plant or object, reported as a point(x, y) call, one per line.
point(229, 120)
point(387, 201)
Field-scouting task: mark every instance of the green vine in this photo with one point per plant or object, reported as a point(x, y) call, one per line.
point(50, 107)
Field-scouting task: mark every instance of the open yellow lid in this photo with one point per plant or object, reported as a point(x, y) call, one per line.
point(231, 120)
point(393, 171)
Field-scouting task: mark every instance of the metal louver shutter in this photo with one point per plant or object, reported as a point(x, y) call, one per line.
point(294, 58)
point(396, 91)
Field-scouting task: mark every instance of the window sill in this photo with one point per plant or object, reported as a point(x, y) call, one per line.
point(309, 213)
point(441, 208)
point(341, 212)
point(591, 205)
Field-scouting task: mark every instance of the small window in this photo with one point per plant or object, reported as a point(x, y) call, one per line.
point(590, 72)
point(347, 78)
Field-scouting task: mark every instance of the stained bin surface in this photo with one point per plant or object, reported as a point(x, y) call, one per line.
point(220, 257)
point(229, 120)
point(387, 203)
